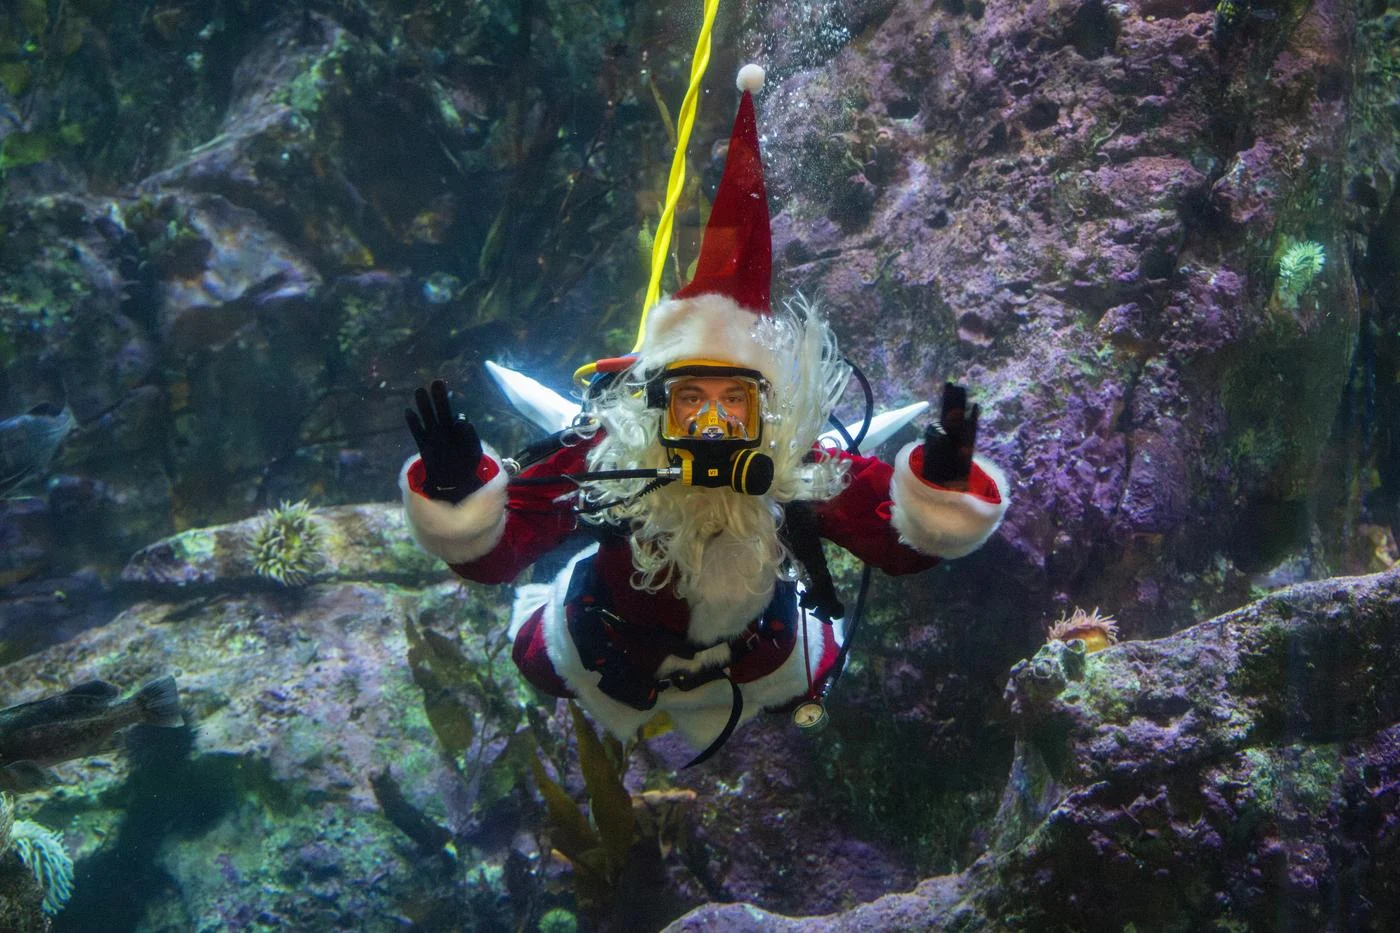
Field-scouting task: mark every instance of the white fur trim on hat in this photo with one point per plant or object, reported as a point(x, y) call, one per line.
point(459, 532)
point(712, 326)
point(943, 522)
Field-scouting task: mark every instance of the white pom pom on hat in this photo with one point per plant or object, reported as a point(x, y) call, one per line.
point(750, 78)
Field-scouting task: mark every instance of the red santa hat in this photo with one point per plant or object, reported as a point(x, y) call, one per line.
point(713, 317)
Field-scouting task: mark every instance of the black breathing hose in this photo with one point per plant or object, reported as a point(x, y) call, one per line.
point(595, 474)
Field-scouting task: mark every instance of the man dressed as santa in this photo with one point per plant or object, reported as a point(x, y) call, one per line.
point(688, 602)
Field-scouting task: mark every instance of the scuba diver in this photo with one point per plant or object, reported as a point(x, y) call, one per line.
point(696, 468)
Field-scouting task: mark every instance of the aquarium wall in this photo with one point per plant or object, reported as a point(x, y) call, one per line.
point(1155, 241)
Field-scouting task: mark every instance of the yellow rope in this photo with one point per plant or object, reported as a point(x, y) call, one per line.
point(661, 243)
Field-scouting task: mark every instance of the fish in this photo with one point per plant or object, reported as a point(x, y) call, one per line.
point(28, 443)
point(76, 724)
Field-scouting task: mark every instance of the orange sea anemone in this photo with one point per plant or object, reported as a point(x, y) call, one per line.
point(1096, 631)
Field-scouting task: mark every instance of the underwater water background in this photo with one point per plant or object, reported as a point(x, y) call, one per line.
point(1159, 241)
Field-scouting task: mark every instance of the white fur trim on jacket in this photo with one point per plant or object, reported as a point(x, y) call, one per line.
point(459, 532)
point(943, 522)
point(713, 327)
point(699, 715)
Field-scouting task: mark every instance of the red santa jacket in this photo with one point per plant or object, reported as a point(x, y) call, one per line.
point(858, 519)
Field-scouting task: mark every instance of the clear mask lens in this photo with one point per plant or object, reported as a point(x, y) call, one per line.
point(712, 408)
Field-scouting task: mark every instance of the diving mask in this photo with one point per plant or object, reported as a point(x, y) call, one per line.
point(712, 408)
point(712, 422)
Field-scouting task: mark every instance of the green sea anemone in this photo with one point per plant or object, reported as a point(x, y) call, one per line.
point(42, 852)
point(1298, 266)
point(558, 920)
point(287, 544)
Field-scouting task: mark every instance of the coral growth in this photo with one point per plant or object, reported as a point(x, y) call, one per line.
point(1096, 631)
point(287, 545)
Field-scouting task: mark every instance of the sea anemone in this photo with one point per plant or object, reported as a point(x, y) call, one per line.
point(42, 852)
point(1299, 265)
point(1096, 631)
point(287, 544)
point(558, 920)
point(7, 823)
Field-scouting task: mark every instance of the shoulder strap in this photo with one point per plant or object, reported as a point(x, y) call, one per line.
point(801, 532)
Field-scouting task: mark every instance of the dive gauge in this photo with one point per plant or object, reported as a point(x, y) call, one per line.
point(810, 716)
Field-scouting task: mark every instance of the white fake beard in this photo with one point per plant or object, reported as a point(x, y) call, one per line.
point(719, 548)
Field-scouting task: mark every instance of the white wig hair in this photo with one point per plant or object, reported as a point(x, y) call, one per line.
point(671, 526)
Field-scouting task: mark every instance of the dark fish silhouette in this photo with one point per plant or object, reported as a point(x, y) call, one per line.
point(76, 724)
point(28, 443)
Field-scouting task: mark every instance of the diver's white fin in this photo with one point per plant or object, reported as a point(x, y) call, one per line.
point(882, 427)
point(553, 412)
point(537, 402)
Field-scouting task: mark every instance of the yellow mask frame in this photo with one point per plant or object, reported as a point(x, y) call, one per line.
point(705, 407)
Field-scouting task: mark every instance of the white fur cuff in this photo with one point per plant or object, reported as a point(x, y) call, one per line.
point(462, 532)
point(943, 522)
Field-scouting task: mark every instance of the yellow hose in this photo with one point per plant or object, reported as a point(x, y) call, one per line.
point(661, 243)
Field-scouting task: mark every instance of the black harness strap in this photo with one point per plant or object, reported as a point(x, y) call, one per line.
point(591, 622)
point(801, 532)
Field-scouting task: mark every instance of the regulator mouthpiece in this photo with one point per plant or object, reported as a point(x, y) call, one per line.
point(752, 473)
point(712, 424)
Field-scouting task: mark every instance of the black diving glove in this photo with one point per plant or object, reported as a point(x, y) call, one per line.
point(448, 443)
point(948, 444)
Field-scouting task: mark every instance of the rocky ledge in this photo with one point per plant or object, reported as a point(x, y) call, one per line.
point(1242, 771)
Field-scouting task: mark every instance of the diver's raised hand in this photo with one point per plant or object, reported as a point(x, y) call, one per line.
point(948, 445)
point(448, 443)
